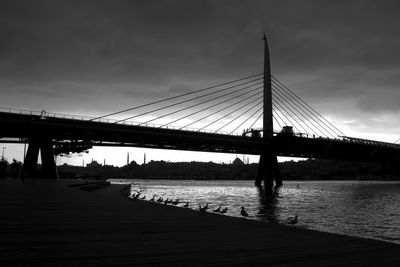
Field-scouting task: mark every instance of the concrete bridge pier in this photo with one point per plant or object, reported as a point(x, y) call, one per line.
point(268, 171)
point(49, 169)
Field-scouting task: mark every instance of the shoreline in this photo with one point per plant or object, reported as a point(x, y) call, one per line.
point(47, 223)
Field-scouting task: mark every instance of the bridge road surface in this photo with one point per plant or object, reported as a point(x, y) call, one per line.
point(110, 134)
point(47, 223)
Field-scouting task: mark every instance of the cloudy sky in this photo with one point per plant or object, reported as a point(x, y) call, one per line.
point(94, 57)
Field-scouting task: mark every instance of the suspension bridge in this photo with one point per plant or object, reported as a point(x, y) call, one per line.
point(256, 115)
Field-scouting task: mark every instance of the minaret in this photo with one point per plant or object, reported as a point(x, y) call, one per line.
point(267, 117)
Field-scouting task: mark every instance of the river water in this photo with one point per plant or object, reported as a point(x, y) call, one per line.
point(354, 208)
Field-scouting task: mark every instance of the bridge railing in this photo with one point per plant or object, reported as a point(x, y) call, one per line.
point(369, 142)
point(45, 114)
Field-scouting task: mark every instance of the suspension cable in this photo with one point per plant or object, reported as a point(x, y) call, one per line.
point(277, 97)
point(209, 115)
point(309, 107)
point(226, 116)
point(287, 112)
point(249, 119)
point(229, 122)
point(283, 114)
point(209, 107)
point(280, 96)
point(174, 97)
point(194, 98)
point(205, 101)
point(277, 121)
point(257, 119)
point(305, 110)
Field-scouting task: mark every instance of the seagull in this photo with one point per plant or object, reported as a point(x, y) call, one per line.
point(159, 199)
point(176, 202)
point(217, 209)
point(243, 212)
point(292, 220)
point(166, 201)
point(186, 205)
point(153, 199)
point(203, 208)
point(143, 198)
point(223, 210)
point(136, 196)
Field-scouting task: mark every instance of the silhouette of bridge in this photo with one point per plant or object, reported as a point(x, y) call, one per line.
point(255, 105)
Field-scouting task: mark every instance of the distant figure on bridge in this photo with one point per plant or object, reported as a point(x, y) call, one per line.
point(43, 114)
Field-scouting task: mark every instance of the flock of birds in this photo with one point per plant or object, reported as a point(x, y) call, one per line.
point(127, 191)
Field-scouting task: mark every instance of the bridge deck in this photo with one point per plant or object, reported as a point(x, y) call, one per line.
point(46, 223)
point(106, 134)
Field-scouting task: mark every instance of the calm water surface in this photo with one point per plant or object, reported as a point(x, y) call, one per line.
point(364, 209)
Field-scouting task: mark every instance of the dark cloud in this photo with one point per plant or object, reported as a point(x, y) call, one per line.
point(99, 56)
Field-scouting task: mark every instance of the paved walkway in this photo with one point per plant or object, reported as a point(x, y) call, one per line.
point(47, 223)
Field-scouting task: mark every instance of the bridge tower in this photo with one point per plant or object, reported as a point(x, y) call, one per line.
point(268, 168)
point(49, 169)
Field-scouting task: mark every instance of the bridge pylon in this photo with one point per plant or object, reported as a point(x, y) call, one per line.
point(49, 169)
point(268, 169)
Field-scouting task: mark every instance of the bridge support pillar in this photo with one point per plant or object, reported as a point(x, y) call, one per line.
point(49, 169)
point(268, 171)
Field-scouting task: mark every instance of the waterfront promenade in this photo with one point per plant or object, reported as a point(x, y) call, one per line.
point(48, 223)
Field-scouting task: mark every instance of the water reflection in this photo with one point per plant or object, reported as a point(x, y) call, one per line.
point(366, 209)
point(267, 206)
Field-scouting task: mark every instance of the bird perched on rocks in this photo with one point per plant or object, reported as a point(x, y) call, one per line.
point(292, 220)
point(186, 205)
point(160, 199)
point(203, 208)
point(153, 198)
point(243, 212)
point(175, 202)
